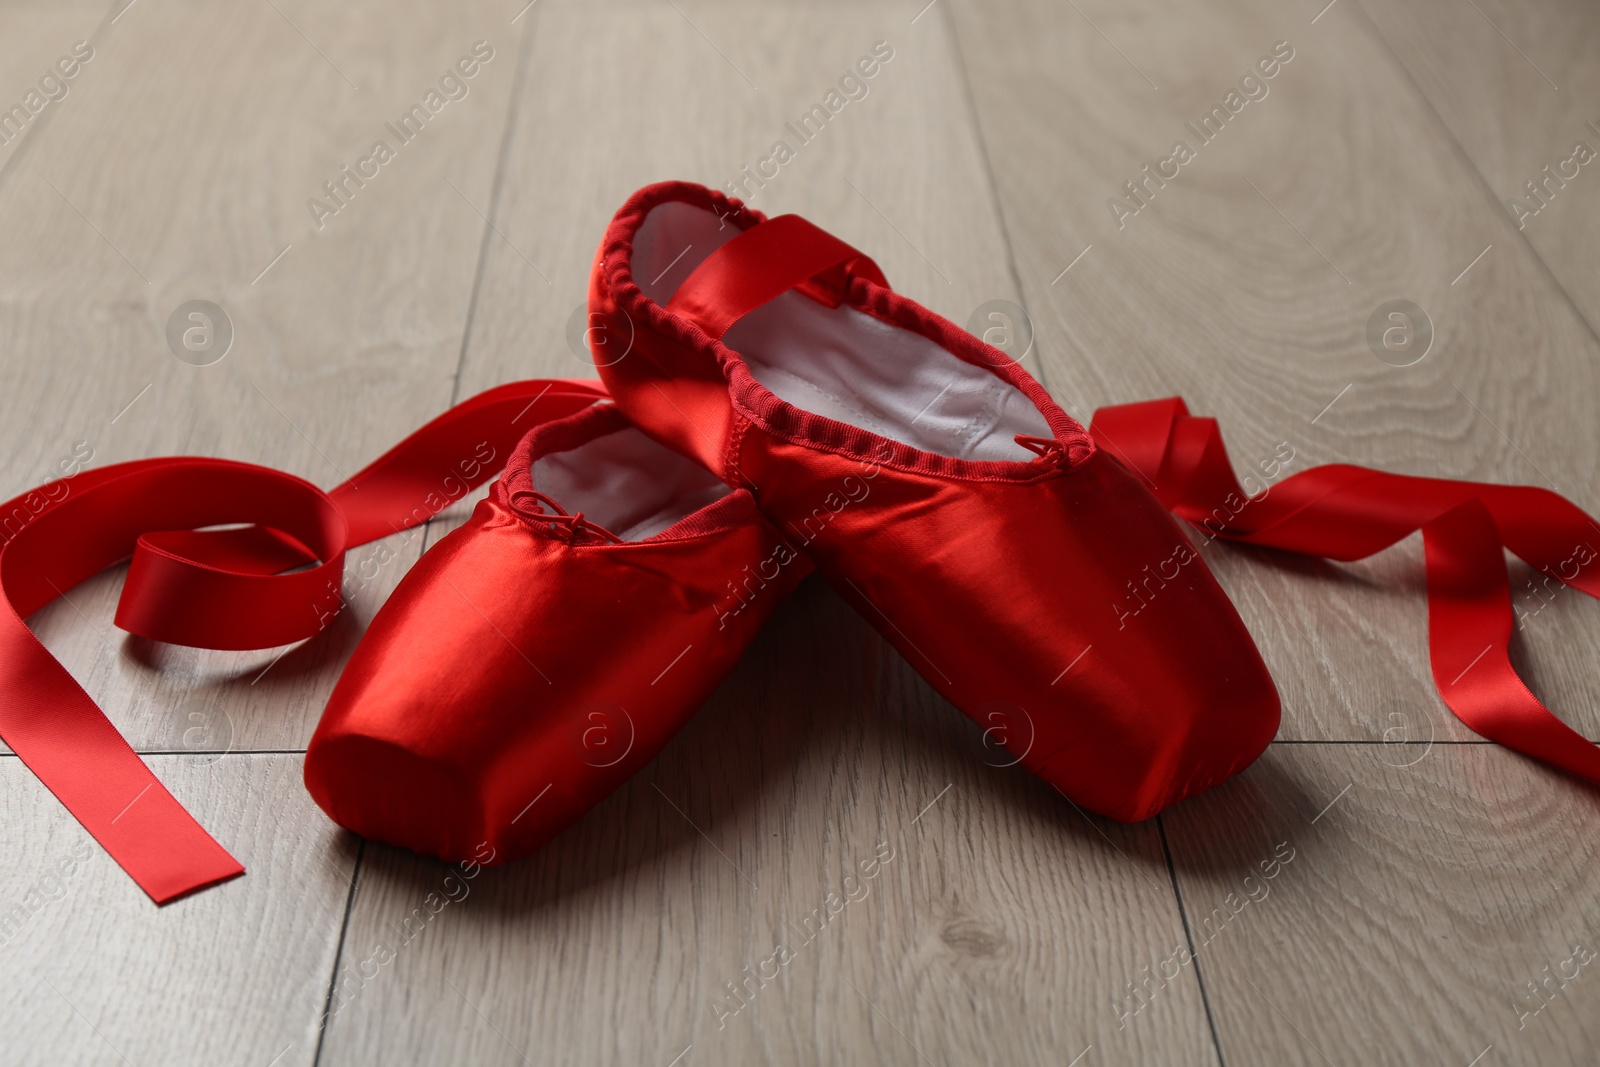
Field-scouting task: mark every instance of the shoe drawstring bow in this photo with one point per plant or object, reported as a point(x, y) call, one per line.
point(1047, 448)
point(569, 526)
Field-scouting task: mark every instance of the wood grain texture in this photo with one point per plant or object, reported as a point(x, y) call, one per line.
point(1427, 887)
point(999, 925)
point(999, 932)
point(1246, 283)
point(222, 124)
point(1516, 86)
point(95, 974)
point(899, 172)
point(33, 37)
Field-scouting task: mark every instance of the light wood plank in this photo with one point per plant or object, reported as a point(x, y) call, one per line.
point(1246, 285)
point(33, 38)
point(1419, 902)
point(190, 145)
point(95, 974)
point(999, 929)
point(1006, 928)
point(1516, 84)
point(920, 203)
point(1000, 932)
point(1483, 69)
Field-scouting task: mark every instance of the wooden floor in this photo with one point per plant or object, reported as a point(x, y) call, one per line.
point(1424, 883)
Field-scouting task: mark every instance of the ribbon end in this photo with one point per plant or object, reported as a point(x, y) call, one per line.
point(164, 896)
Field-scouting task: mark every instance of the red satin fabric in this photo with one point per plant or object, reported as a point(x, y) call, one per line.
point(1079, 543)
point(232, 581)
point(721, 290)
point(1005, 596)
point(1001, 581)
point(213, 589)
point(1346, 512)
point(523, 670)
point(916, 560)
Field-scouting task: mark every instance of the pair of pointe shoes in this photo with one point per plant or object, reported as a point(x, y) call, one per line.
point(777, 408)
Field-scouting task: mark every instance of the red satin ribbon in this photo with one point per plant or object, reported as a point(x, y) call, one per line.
point(761, 264)
point(227, 589)
point(276, 580)
point(1345, 512)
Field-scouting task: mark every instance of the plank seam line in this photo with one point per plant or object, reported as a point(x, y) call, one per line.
point(513, 109)
point(1188, 935)
point(1472, 167)
point(974, 121)
point(338, 953)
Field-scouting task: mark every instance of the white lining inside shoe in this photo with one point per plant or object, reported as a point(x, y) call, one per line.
point(843, 363)
point(627, 483)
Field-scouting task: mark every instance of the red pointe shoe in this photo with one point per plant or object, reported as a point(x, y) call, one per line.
point(545, 651)
point(1029, 576)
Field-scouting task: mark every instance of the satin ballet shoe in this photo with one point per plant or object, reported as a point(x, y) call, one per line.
point(546, 650)
point(1030, 576)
